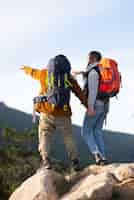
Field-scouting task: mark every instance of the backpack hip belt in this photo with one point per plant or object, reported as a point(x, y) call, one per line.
point(40, 99)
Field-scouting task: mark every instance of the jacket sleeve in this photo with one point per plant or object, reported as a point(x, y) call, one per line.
point(34, 73)
point(76, 89)
point(93, 81)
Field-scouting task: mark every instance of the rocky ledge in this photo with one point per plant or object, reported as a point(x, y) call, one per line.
point(111, 182)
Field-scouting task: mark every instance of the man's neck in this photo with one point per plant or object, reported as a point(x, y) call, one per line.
point(93, 64)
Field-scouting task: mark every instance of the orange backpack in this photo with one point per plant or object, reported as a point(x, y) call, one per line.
point(110, 78)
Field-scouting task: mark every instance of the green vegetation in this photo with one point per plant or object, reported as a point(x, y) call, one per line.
point(19, 159)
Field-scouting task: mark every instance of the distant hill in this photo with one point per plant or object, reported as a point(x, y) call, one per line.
point(13, 118)
point(119, 146)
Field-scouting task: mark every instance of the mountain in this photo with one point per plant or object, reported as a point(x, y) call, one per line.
point(13, 118)
point(119, 146)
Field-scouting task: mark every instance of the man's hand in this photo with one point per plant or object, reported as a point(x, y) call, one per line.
point(91, 111)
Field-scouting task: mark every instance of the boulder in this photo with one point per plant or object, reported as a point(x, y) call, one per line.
point(124, 190)
point(120, 171)
point(124, 172)
point(45, 184)
point(93, 187)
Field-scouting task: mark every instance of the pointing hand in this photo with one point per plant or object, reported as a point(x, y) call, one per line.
point(26, 69)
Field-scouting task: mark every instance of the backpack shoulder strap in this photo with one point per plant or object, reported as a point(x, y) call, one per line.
point(96, 68)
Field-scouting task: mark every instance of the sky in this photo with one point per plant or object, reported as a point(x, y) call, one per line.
point(33, 31)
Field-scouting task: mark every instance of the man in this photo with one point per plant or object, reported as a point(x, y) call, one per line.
point(97, 110)
point(55, 112)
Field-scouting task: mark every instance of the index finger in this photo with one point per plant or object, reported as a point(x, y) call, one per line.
point(22, 67)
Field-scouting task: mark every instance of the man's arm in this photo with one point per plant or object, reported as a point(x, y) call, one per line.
point(76, 89)
point(93, 82)
point(34, 73)
point(75, 73)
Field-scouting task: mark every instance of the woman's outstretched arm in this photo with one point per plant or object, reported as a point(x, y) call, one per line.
point(34, 73)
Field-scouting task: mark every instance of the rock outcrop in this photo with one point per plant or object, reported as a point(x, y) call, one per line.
point(93, 187)
point(44, 185)
point(115, 181)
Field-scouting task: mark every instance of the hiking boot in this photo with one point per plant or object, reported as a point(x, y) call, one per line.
point(99, 160)
point(103, 162)
point(46, 164)
point(76, 164)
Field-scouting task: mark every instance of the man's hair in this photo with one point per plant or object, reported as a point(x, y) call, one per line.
point(96, 54)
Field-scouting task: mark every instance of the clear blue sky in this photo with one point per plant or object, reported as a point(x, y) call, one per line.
point(33, 31)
